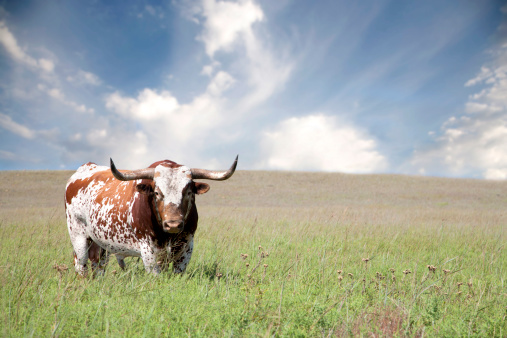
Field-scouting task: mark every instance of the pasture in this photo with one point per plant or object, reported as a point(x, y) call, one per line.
point(276, 254)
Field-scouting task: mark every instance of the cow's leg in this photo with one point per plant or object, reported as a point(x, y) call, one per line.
point(79, 240)
point(99, 258)
point(182, 254)
point(80, 245)
point(149, 259)
point(121, 262)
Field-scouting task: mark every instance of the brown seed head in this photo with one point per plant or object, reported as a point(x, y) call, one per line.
point(350, 275)
point(60, 268)
point(265, 265)
point(340, 277)
point(339, 272)
point(392, 270)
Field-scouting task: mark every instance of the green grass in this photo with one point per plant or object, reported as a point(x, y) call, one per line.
point(298, 230)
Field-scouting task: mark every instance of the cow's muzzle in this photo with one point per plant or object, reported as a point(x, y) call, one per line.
point(173, 226)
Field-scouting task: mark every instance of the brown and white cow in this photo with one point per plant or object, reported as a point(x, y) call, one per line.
point(148, 213)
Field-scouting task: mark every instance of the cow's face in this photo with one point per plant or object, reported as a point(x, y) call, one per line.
point(173, 192)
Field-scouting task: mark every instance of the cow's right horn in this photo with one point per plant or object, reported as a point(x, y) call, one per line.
point(214, 175)
point(139, 174)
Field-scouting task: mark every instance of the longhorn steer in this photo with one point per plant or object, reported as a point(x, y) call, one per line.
point(148, 213)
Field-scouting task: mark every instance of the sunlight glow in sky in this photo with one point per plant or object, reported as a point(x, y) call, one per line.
point(339, 86)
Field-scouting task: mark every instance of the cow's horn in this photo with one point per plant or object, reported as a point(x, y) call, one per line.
point(133, 174)
point(214, 175)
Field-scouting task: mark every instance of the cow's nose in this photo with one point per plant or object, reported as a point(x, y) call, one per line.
point(173, 225)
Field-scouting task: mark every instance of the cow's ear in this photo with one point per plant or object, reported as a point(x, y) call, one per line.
point(144, 189)
point(200, 188)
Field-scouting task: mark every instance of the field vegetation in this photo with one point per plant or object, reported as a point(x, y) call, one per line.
point(277, 254)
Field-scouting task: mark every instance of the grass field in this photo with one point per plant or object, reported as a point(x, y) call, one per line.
point(277, 254)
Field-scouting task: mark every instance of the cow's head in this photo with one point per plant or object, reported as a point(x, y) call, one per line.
point(173, 189)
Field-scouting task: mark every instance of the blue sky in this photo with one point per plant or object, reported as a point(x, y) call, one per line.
point(339, 86)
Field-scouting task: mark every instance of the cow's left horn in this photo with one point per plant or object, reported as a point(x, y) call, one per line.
point(147, 173)
point(214, 175)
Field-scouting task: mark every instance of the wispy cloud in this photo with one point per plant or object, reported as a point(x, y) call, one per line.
point(82, 77)
point(8, 124)
point(58, 95)
point(10, 43)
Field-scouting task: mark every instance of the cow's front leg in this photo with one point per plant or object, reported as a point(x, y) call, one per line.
point(182, 254)
point(149, 259)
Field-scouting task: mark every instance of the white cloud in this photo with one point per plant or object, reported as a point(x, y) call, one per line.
point(210, 69)
point(84, 78)
point(320, 142)
point(10, 43)
point(228, 27)
point(7, 123)
point(156, 12)
point(226, 22)
point(253, 68)
point(474, 144)
point(57, 94)
point(149, 104)
point(174, 126)
point(7, 155)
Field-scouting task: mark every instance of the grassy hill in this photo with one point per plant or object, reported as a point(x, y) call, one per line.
point(328, 254)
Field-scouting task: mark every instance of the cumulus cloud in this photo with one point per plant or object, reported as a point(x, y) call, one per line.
point(162, 106)
point(320, 142)
point(149, 104)
point(10, 43)
point(475, 143)
point(174, 127)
